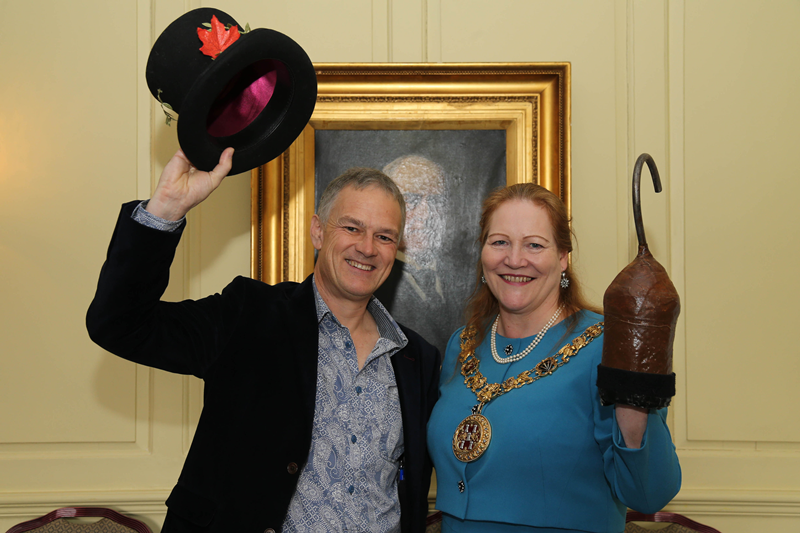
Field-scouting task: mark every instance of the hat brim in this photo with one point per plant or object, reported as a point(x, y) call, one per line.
point(276, 127)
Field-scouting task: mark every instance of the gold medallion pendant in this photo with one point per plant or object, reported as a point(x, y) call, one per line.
point(471, 438)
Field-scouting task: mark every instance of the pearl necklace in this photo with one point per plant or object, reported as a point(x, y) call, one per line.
point(530, 347)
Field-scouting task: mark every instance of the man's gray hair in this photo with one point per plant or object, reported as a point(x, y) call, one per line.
point(360, 178)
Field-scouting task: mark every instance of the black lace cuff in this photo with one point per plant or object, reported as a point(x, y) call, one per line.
point(639, 389)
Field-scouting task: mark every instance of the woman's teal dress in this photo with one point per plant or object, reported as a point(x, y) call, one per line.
point(557, 461)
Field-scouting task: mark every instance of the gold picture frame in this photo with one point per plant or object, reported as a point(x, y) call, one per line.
point(529, 101)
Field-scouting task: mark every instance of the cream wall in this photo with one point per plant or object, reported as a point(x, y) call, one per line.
point(707, 87)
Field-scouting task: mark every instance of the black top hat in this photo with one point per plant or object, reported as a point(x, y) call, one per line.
point(254, 90)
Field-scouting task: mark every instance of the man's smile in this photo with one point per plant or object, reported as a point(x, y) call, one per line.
point(358, 265)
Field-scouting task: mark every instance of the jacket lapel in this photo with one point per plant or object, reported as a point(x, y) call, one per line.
point(302, 312)
point(406, 367)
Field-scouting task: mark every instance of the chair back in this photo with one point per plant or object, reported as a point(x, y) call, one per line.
point(678, 523)
point(60, 521)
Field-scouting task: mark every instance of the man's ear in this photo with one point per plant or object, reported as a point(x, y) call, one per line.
point(316, 232)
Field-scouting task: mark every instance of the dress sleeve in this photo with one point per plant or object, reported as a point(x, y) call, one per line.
point(644, 479)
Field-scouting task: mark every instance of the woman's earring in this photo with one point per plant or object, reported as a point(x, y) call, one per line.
point(483, 280)
point(564, 279)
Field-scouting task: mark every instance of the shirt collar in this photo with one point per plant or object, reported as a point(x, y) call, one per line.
point(387, 327)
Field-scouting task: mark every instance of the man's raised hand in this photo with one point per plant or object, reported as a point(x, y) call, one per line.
point(181, 186)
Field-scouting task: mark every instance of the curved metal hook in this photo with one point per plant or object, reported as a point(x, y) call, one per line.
point(637, 202)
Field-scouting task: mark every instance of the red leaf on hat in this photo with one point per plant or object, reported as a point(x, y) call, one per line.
point(217, 39)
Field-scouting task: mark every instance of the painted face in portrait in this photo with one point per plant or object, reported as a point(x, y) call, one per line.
point(521, 262)
point(422, 183)
point(357, 244)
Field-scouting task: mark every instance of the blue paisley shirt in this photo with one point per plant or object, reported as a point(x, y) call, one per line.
point(350, 480)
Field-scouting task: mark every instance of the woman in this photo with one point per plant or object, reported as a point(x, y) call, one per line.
point(518, 437)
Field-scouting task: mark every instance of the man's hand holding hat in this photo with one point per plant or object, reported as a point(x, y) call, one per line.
point(182, 186)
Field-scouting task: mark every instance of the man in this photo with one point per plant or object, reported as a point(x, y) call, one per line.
point(316, 402)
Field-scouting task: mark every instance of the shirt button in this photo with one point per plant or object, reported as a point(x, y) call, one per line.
point(348, 345)
point(351, 489)
point(353, 439)
point(358, 390)
point(269, 530)
point(291, 468)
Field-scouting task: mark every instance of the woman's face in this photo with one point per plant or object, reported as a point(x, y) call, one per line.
point(521, 263)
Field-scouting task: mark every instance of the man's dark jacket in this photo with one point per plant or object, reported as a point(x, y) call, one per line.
point(255, 345)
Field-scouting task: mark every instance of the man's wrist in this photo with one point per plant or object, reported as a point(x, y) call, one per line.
point(146, 218)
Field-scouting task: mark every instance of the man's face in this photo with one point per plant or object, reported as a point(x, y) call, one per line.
point(357, 245)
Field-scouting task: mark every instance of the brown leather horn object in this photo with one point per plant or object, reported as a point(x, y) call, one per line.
point(641, 308)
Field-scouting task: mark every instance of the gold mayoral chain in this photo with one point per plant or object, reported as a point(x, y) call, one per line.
point(474, 433)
